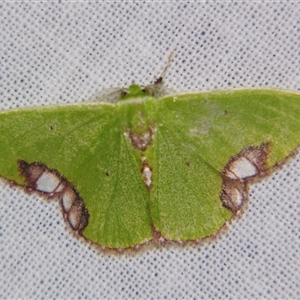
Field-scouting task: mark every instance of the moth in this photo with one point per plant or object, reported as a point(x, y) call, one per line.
point(139, 166)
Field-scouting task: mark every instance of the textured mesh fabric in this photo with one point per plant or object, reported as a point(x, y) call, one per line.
point(55, 53)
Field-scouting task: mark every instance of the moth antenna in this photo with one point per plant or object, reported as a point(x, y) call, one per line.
point(161, 78)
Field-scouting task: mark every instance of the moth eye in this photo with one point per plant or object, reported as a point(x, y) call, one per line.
point(124, 93)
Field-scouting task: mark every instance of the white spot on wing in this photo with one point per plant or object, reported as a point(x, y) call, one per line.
point(241, 169)
point(61, 187)
point(73, 219)
point(233, 195)
point(237, 198)
point(68, 199)
point(147, 176)
point(47, 182)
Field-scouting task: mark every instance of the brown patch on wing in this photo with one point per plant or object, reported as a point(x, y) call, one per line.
point(78, 215)
point(250, 163)
point(51, 184)
point(31, 172)
point(234, 194)
point(141, 141)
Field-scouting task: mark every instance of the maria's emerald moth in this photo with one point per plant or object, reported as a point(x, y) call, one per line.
point(144, 168)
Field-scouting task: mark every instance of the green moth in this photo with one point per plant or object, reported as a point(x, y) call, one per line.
point(146, 167)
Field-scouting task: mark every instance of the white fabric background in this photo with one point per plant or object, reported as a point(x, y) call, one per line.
point(63, 53)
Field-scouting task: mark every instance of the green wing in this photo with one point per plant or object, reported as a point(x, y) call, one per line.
point(86, 144)
point(196, 136)
point(190, 139)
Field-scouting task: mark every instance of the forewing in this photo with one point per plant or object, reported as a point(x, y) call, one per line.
point(87, 146)
point(196, 135)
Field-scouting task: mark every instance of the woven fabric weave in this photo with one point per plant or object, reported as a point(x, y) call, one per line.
point(56, 53)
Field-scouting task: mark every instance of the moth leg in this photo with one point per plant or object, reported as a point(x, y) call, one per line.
point(250, 163)
point(51, 184)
